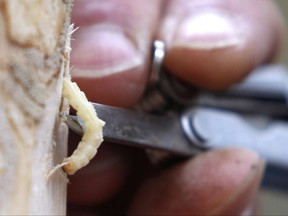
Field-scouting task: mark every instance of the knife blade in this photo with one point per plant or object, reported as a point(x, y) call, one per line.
point(194, 131)
point(139, 129)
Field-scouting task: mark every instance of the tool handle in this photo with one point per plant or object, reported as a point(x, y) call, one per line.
point(265, 90)
point(212, 128)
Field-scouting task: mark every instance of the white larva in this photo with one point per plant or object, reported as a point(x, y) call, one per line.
point(93, 135)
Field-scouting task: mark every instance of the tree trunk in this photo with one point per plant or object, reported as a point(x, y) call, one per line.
point(32, 137)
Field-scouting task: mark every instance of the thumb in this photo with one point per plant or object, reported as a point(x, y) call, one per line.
point(220, 182)
point(213, 44)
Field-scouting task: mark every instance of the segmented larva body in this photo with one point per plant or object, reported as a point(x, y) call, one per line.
point(93, 135)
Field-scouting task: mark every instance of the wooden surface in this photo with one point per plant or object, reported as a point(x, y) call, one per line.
point(32, 139)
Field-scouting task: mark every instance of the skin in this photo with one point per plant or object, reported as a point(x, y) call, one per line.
point(111, 54)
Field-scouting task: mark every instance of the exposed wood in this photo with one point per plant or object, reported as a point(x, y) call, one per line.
point(32, 138)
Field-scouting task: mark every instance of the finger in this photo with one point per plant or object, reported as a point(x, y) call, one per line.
point(214, 43)
point(216, 183)
point(102, 178)
point(111, 48)
point(114, 167)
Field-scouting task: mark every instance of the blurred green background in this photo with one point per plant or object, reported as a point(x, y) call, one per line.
point(283, 5)
point(275, 201)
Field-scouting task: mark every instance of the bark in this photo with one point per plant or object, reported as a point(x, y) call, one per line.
point(32, 137)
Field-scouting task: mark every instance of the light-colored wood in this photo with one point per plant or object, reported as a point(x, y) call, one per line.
point(32, 138)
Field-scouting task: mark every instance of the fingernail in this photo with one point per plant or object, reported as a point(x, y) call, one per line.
point(102, 51)
point(209, 30)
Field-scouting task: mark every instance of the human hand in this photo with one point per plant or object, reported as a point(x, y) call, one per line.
point(210, 44)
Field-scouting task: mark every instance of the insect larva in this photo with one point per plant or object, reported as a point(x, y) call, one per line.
point(92, 137)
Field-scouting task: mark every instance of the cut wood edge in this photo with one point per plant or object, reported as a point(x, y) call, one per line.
point(33, 139)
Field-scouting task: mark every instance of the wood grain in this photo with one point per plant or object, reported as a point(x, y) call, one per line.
point(32, 138)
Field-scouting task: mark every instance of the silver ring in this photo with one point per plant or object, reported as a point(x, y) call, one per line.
point(157, 61)
point(164, 91)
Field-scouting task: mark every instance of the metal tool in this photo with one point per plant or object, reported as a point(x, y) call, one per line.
point(251, 114)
